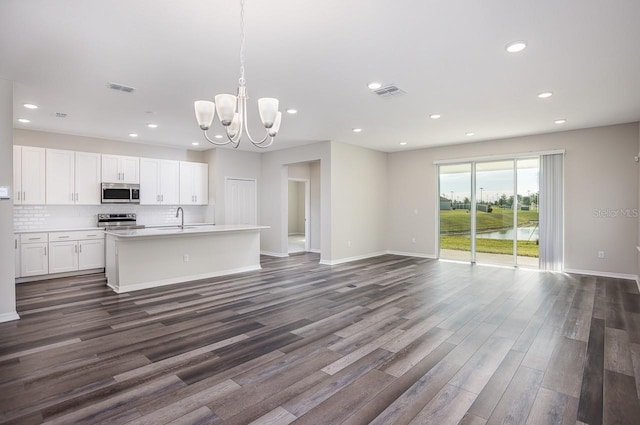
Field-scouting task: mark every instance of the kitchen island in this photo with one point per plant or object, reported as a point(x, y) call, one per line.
point(146, 258)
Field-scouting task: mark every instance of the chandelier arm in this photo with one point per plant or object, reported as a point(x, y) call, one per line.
point(243, 114)
point(233, 143)
point(257, 145)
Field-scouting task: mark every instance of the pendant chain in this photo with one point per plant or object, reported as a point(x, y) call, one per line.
point(242, 81)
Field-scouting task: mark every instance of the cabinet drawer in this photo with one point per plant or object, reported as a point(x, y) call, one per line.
point(90, 234)
point(34, 237)
point(63, 236)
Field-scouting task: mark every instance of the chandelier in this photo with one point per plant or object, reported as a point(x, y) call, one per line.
point(232, 110)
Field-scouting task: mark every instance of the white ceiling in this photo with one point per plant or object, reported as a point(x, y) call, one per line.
point(317, 57)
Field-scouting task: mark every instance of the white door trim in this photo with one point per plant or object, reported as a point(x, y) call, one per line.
point(307, 213)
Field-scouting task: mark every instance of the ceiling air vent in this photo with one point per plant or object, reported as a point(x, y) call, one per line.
point(120, 87)
point(61, 115)
point(389, 91)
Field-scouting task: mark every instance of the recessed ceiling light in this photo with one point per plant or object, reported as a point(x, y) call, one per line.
point(560, 121)
point(403, 143)
point(195, 143)
point(30, 106)
point(374, 85)
point(292, 111)
point(218, 136)
point(545, 94)
point(152, 125)
point(470, 134)
point(133, 134)
point(435, 116)
point(516, 46)
point(24, 120)
point(357, 130)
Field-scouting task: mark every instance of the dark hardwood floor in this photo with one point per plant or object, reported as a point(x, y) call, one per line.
point(389, 340)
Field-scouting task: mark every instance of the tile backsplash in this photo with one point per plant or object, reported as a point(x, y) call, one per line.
point(36, 217)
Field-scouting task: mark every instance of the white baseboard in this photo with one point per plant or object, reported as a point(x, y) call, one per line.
point(8, 317)
point(603, 274)
point(315, 251)
point(273, 254)
point(146, 285)
point(349, 259)
point(412, 254)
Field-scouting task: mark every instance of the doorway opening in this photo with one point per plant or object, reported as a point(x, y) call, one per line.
point(298, 217)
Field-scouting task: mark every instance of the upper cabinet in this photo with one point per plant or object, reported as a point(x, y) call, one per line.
point(194, 183)
point(159, 181)
point(28, 175)
point(72, 177)
point(120, 169)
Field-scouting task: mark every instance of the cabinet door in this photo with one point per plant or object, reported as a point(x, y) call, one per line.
point(187, 176)
point(60, 177)
point(17, 175)
point(16, 247)
point(91, 254)
point(130, 169)
point(201, 184)
point(63, 256)
point(169, 182)
point(33, 175)
point(149, 181)
point(110, 169)
point(87, 181)
point(33, 259)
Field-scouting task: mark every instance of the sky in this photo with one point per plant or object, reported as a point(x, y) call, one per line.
point(494, 181)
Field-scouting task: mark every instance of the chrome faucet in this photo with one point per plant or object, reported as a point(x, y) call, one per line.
point(178, 213)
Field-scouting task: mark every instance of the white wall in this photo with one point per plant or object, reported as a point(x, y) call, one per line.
point(359, 201)
point(274, 188)
point(315, 210)
point(600, 173)
point(7, 252)
point(230, 163)
point(296, 208)
point(90, 144)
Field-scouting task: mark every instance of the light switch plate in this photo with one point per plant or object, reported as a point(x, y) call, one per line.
point(4, 192)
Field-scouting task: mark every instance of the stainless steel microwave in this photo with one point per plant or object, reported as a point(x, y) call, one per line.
point(120, 193)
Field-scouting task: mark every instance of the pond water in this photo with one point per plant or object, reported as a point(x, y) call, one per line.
point(524, 234)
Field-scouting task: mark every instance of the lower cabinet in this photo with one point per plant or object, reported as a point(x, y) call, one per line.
point(16, 254)
point(58, 252)
point(71, 251)
point(34, 254)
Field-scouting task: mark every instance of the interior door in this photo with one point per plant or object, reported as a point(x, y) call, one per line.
point(240, 201)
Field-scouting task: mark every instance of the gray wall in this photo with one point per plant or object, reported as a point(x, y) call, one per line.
point(7, 252)
point(600, 174)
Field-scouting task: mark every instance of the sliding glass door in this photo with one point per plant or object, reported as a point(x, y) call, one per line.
point(489, 211)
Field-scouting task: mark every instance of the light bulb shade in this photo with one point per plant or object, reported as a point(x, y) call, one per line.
point(273, 131)
point(268, 108)
point(234, 126)
point(226, 107)
point(205, 112)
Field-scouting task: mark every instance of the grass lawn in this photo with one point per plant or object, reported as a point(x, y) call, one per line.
point(490, 246)
point(459, 221)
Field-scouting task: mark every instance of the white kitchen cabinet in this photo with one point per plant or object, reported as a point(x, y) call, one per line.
point(159, 181)
point(91, 254)
point(63, 256)
point(194, 183)
point(16, 247)
point(34, 254)
point(72, 177)
point(28, 175)
point(76, 250)
point(120, 169)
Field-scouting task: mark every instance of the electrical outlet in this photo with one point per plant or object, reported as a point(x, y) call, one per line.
point(600, 254)
point(185, 258)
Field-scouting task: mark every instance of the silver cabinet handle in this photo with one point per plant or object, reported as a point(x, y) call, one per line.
point(24, 196)
point(34, 239)
point(91, 236)
point(77, 196)
point(15, 242)
point(19, 196)
point(45, 251)
point(81, 248)
point(75, 248)
point(63, 237)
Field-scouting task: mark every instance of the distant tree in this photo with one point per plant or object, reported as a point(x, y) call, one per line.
point(526, 200)
point(503, 200)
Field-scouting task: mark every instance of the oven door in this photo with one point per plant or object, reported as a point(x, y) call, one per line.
point(113, 193)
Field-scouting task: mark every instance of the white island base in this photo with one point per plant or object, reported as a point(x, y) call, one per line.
point(148, 258)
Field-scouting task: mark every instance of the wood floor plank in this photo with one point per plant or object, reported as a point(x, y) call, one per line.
point(621, 406)
point(564, 373)
point(516, 403)
point(591, 403)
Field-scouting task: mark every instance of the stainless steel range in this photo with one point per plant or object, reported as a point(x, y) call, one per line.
point(118, 221)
